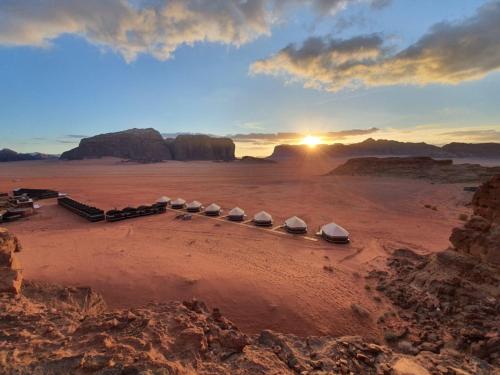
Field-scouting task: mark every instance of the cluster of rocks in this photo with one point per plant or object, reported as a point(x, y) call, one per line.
point(416, 167)
point(10, 268)
point(445, 300)
point(480, 235)
point(148, 145)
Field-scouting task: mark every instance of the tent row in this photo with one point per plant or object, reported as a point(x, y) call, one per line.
point(88, 212)
point(330, 232)
point(131, 212)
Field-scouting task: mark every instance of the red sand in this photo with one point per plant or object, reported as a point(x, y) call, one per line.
point(258, 279)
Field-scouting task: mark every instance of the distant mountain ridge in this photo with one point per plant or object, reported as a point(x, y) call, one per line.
point(7, 155)
point(148, 145)
point(383, 147)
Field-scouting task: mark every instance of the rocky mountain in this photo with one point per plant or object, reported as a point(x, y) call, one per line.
point(7, 155)
point(144, 145)
point(201, 147)
point(416, 167)
point(382, 147)
point(148, 145)
point(476, 150)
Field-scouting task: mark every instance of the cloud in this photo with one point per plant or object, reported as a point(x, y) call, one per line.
point(294, 137)
point(449, 53)
point(155, 27)
point(76, 136)
point(479, 135)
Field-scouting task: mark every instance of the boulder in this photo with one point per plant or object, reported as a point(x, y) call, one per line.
point(406, 366)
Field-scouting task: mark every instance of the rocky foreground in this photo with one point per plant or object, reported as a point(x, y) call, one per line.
point(444, 171)
point(444, 319)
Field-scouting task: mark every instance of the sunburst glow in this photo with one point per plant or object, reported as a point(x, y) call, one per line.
point(311, 141)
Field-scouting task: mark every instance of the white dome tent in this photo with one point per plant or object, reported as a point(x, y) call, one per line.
point(213, 210)
point(164, 201)
point(194, 206)
point(295, 225)
point(236, 214)
point(178, 203)
point(263, 219)
point(334, 233)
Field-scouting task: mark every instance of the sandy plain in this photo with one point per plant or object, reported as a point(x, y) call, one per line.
point(259, 279)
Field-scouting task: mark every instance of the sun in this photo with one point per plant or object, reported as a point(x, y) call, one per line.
point(311, 141)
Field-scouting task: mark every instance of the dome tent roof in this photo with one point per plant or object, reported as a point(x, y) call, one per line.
point(163, 199)
point(236, 212)
point(262, 216)
point(178, 201)
point(334, 230)
point(295, 223)
point(213, 208)
point(194, 204)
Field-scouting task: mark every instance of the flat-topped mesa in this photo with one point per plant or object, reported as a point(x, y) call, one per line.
point(10, 268)
point(475, 150)
point(148, 145)
point(416, 167)
point(373, 165)
point(201, 147)
point(135, 144)
point(480, 235)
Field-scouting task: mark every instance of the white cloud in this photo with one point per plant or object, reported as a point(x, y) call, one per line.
point(449, 53)
point(155, 27)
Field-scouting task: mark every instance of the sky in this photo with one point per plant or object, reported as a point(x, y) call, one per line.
point(263, 72)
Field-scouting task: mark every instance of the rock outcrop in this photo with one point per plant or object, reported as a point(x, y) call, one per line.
point(148, 146)
point(201, 147)
point(143, 145)
point(416, 167)
point(10, 268)
point(383, 147)
point(480, 235)
point(46, 331)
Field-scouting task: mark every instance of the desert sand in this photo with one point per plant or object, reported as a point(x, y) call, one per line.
point(259, 279)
